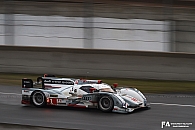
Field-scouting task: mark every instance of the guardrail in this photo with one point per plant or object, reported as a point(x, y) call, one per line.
point(98, 63)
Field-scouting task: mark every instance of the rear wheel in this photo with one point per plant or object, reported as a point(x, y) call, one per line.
point(106, 104)
point(38, 99)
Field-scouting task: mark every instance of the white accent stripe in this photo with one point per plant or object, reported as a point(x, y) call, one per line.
point(10, 93)
point(181, 105)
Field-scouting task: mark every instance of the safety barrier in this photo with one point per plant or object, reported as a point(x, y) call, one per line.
point(98, 63)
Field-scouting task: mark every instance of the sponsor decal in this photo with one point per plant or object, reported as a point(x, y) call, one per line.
point(132, 98)
point(47, 81)
point(26, 82)
point(66, 82)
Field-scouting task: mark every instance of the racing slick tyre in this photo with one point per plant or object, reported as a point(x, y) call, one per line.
point(106, 104)
point(38, 99)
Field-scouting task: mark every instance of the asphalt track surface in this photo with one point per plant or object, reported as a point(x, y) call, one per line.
point(175, 108)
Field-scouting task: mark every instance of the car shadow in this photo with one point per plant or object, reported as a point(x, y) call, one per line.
point(87, 110)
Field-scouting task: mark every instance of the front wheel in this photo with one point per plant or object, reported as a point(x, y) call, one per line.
point(38, 99)
point(106, 104)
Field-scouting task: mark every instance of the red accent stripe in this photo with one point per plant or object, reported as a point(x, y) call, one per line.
point(25, 102)
point(48, 86)
point(115, 108)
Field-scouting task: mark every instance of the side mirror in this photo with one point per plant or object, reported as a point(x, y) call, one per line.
point(92, 90)
point(115, 85)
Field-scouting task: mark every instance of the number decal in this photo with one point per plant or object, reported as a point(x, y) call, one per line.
point(134, 99)
point(55, 101)
point(59, 100)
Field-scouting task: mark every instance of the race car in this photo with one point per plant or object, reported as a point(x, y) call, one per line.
point(81, 93)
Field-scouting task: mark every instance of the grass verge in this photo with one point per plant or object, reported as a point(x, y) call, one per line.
point(146, 86)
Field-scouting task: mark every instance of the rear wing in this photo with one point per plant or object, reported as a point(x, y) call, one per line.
point(45, 81)
point(48, 80)
point(28, 83)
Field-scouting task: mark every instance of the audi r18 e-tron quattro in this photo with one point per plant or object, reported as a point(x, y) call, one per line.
point(81, 93)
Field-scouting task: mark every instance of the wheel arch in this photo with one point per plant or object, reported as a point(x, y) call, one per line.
point(116, 100)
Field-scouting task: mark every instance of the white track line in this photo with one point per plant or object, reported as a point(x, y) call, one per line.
point(166, 104)
point(10, 93)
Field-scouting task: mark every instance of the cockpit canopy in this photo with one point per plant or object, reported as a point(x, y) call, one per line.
point(89, 88)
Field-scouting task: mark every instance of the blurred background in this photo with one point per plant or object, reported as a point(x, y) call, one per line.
point(152, 25)
point(153, 39)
